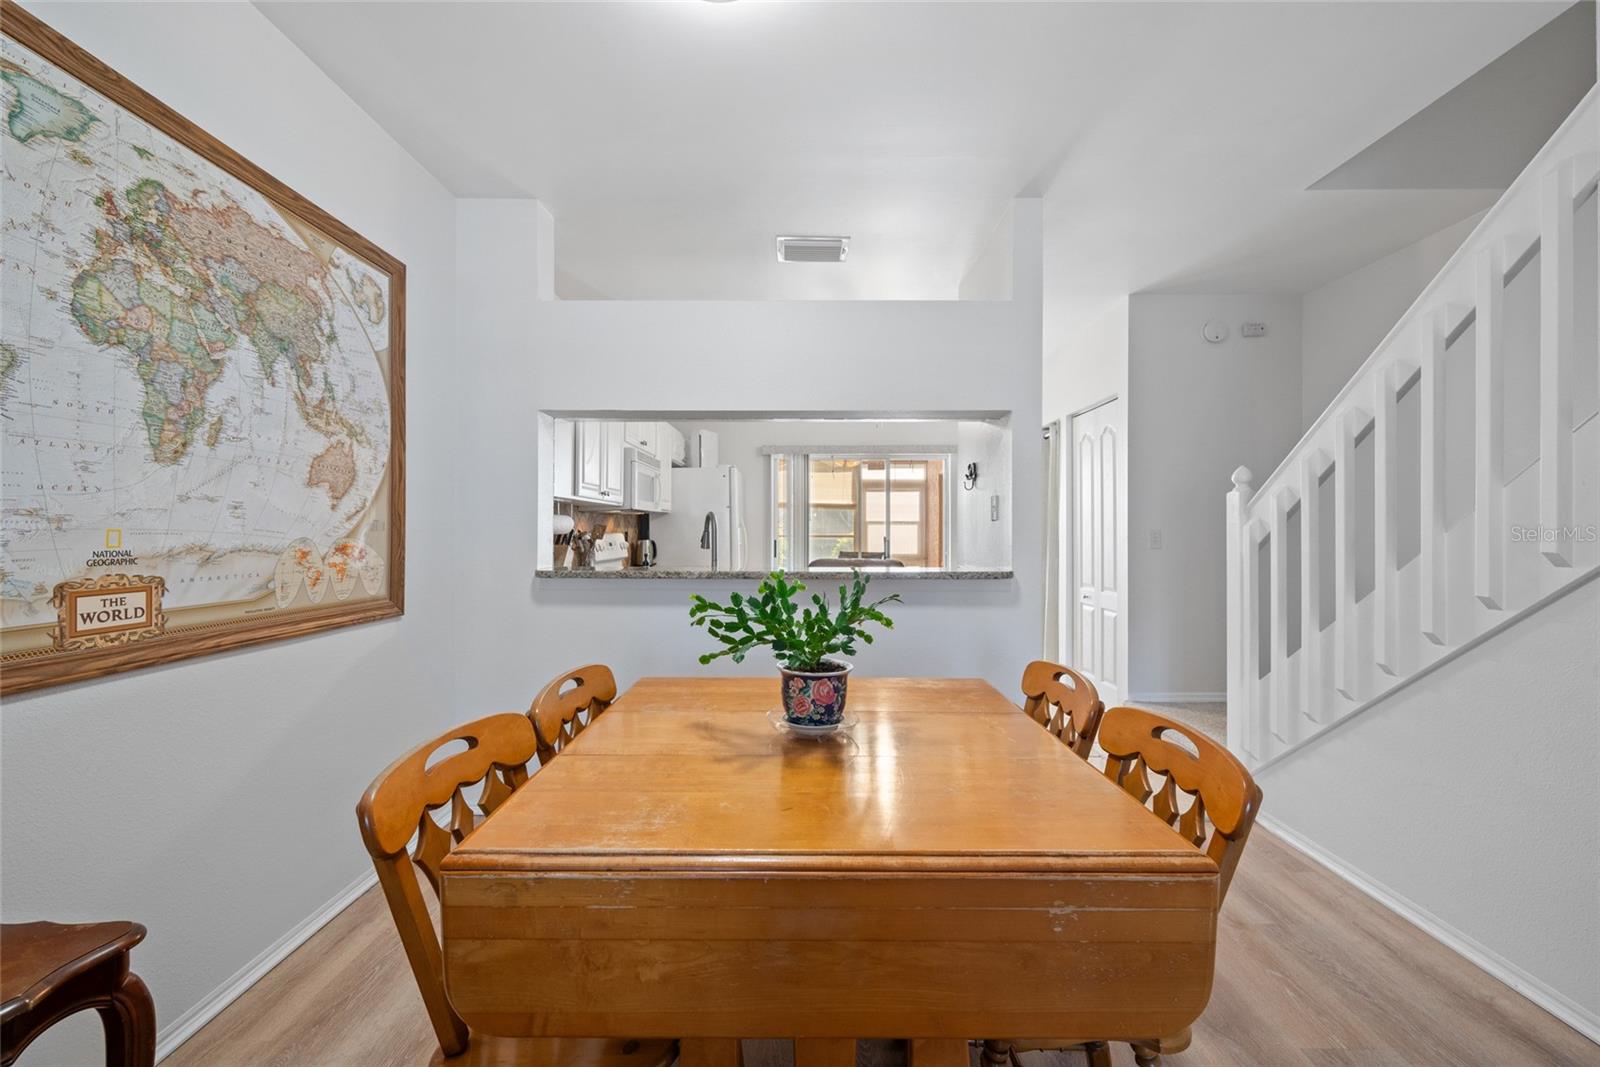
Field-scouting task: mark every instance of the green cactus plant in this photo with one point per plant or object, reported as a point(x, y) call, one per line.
point(801, 638)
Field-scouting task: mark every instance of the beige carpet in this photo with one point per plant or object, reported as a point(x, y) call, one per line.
point(1209, 719)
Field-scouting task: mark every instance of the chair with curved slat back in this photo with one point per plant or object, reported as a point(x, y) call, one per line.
point(558, 712)
point(1063, 702)
point(1224, 800)
point(397, 809)
point(1225, 795)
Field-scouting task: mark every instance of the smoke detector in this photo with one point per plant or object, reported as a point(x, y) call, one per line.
point(812, 249)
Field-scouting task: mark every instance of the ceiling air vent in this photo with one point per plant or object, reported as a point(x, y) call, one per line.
point(812, 249)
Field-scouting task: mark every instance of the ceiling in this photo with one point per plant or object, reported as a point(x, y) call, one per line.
point(1175, 143)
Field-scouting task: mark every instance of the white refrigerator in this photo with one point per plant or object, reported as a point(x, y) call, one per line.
point(696, 493)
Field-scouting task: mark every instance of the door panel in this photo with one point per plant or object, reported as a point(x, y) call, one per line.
point(1097, 534)
point(1085, 636)
point(591, 460)
point(615, 471)
point(1084, 538)
point(1106, 532)
point(1110, 648)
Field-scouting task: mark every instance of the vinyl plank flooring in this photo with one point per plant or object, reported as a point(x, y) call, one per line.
point(345, 997)
point(1310, 973)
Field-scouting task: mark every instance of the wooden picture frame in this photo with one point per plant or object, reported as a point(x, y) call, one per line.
point(77, 659)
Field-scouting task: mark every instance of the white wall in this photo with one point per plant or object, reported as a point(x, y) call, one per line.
point(1343, 321)
point(1470, 800)
point(1198, 411)
point(1090, 368)
point(982, 536)
point(213, 800)
point(669, 356)
point(988, 276)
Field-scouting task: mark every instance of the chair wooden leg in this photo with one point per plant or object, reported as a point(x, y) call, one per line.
point(130, 1025)
point(1098, 1052)
point(1176, 1042)
point(996, 1053)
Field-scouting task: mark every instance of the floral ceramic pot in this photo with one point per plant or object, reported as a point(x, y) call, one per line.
point(815, 698)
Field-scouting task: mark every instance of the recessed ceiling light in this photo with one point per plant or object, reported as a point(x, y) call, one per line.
point(812, 249)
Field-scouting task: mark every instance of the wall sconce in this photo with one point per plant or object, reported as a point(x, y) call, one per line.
point(970, 482)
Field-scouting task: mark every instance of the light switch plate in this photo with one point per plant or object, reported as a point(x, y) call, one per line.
point(1155, 540)
point(994, 509)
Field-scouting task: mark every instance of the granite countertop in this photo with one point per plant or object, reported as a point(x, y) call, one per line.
point(819, 573)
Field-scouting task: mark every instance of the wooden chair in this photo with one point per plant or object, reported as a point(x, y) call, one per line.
point(1217, 820)
point(1063, 702)
point(51, 970)
point(398, 807)
point(560, 713)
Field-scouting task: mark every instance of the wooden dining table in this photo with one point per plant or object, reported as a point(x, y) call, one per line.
point(942, 869)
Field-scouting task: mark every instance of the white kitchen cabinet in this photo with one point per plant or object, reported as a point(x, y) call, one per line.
point(590, 469)
point(563, 464)
point(591, 463)
point(644, 436)
point(613, 484)
point(655, 439)
point(674, 449)
point(600, 472)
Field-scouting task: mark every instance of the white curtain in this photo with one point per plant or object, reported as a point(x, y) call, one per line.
point(1052, 542)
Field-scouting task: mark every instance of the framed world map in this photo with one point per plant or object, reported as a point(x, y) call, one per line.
point(201, 387)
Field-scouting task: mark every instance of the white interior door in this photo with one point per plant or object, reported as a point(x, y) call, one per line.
point(1097, 453)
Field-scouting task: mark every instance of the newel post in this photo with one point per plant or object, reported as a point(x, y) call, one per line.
point(1240, 654)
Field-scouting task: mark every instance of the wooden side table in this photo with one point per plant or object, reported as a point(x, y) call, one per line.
point(50, 970)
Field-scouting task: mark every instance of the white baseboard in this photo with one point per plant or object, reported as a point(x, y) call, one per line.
point(188, 1024)
point(1178, 698)
point(1493, 964)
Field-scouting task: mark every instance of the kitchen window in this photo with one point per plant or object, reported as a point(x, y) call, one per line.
point(879, 510)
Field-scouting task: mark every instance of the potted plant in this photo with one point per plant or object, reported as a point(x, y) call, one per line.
point(806, 641)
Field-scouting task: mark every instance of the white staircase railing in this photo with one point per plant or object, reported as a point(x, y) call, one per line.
point(1451, 486)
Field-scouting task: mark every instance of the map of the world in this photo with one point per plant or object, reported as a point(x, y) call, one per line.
point(193, 383)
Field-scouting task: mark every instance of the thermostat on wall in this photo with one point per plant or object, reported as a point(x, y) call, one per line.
point(1214, 331)
point(1252, 329)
